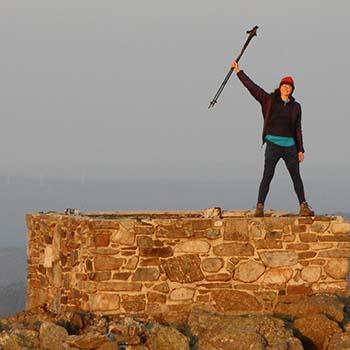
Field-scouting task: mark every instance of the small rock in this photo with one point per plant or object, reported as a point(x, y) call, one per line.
point(146, 274)
point(212, 234)
point(294, 344)
point(162, 287)
point(311, 273)
point(340, 228)
point(249, 271)
point(184, 268)
point(102, 301)
point(132, 263)
point(87, 341)
point(212, 212)
point(125, 234)
point(234, 249)
point(337, 269)
point(232, 300)
point(196, 246)
point(182, 294)
point(76, 319)
point(279, 258)
point(212, 264)
point(111, 345)
point(278, 276)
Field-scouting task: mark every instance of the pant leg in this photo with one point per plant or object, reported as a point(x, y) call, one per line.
point(291, 160)
point(272, 155)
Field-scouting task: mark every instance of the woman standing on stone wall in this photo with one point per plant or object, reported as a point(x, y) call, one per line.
point(282, 134)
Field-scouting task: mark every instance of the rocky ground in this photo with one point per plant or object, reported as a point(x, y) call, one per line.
point(314, 322)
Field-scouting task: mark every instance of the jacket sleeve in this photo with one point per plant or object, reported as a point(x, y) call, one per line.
point(298, 131)
point(256, 91)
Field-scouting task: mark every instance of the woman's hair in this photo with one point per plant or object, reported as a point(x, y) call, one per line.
point(277, 92)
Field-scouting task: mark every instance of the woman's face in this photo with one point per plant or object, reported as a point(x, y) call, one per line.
point(286, 89)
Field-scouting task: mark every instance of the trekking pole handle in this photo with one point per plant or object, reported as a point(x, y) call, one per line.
point(252, 34)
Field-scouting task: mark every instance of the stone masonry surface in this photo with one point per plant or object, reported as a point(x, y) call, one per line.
point(164, 263)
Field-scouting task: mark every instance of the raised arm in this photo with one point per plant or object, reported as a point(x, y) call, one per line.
point(256, 91)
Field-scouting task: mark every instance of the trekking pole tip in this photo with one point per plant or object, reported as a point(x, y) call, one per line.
point(212, 103)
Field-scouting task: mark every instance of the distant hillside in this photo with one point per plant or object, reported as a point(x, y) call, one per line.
point(13, 277)
point(12, 299)
point(13, 262)
point(234, 190)
point(344, 215)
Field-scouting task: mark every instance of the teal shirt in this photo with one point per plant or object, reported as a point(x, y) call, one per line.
point(281, 140)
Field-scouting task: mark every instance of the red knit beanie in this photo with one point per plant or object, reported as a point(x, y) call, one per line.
point(287, 80)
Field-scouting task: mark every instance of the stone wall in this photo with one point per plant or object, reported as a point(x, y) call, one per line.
point(161, 264)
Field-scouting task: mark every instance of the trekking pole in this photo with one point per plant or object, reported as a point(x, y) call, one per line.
point(251, 33)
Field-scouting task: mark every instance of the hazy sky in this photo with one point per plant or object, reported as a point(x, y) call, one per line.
point(120, 89)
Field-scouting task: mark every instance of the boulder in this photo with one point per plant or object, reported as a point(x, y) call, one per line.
point(52, 336)
point(16, 342)
point(315, 330)
point(223, 332)
point(223, 340)
point(30, 337)
point(330, 306)
point(339, 341)
point(167, 338)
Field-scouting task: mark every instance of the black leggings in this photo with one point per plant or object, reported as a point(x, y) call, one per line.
point(273, 153)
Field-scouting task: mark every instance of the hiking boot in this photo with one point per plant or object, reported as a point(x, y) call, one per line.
point(259, 210)
point(305, 210)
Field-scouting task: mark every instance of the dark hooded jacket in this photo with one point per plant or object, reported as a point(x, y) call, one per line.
point(266, 101)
